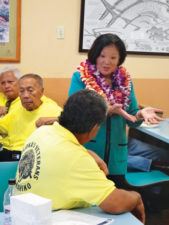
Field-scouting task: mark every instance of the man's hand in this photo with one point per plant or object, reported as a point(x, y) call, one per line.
point(46, 121)
point(3, 110)
point(117, 109)
point(119, 201)
point(101, 164)
point(139, 211)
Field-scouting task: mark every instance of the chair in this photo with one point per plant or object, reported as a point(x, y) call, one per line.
point(7, 171)
point(141, 179)
point(144, 179)
point(153, 187)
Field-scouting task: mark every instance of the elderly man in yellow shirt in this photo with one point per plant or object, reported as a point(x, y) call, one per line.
point(9, 93)
point(9, 98)
point(9, 89)
point(55, 165)
point(20, 122)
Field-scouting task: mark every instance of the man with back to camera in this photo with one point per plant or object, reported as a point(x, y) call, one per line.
point(20, 123)
point(62, 170)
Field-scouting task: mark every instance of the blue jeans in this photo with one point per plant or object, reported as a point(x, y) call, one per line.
point(141, 154)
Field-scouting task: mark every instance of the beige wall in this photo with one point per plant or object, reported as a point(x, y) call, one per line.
point(43, 53)
point(57, 89)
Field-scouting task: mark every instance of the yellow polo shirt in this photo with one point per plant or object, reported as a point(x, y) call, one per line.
point(3, 99)
point(54, 165)
point(20, 123)
point(15, 103)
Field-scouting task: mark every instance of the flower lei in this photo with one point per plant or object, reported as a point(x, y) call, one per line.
point(94, 80)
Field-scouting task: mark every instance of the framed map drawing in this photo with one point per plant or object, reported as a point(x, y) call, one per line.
point(10, 23)
point(142, 24)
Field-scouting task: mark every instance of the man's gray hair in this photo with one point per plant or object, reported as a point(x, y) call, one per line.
point(34, 76)
point(15, 71)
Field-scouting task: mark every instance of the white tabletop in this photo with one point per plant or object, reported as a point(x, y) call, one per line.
point(160, 131)
point(121, 219)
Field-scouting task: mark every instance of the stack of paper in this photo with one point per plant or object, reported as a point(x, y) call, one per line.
point(70, 217)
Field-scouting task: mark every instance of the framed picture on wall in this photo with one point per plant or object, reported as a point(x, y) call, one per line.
point(142, 25)
point(10, 25)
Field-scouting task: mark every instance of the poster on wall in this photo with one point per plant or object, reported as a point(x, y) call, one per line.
point(10, 16)
point(142, 24)
point(4, 21)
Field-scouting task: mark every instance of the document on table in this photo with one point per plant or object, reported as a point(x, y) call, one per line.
point(69, 217)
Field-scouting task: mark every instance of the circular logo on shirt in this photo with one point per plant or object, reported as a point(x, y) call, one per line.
point(26, 165)
point(29, 166)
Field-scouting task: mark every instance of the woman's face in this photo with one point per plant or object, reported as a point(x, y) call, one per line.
point(108, 60)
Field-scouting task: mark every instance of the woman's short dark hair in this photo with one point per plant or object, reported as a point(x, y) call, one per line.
point(103, 41)
point(82, 111)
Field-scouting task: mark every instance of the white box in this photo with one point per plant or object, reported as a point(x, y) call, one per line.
point(23, 221)
point(30, 209)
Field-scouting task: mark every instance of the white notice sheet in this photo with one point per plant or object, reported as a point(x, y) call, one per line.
point(69, 217)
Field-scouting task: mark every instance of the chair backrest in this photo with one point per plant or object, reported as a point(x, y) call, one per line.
point(7, 171)
point(143, 179)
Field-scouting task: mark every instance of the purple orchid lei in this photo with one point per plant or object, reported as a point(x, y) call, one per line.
point(121, 83)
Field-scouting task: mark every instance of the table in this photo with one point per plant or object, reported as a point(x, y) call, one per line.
point(122, 219)
point(158, 135)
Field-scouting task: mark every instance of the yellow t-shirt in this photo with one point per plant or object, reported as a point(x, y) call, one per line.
point(16, 104)
point(20, 123)
point(54, 165)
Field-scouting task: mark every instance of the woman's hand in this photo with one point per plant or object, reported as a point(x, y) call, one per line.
point(46, 121)
point(149, 115)
point(101, 164)
point(117, 109)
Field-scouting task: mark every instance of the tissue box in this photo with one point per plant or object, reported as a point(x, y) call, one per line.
point(31, 209)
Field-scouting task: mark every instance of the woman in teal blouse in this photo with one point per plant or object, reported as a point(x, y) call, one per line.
point(103, 73)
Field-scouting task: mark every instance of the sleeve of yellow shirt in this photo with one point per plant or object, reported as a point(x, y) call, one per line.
point(4, 125)
point(49, 100)
point(87, 182)
point(3, 99)
point(59, 110)
point(53, 109)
